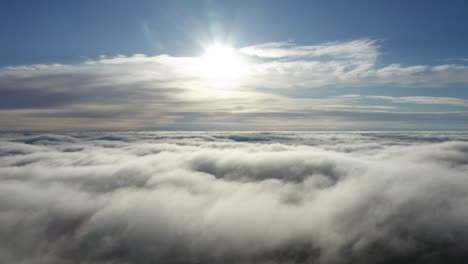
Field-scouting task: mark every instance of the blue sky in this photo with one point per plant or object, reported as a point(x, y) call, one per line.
point(58, 31)
point(402, 61)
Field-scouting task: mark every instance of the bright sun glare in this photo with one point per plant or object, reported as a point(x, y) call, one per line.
point(222, 63)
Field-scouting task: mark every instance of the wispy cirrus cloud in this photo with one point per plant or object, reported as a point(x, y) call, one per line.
point(353, 63)
point(364, 50)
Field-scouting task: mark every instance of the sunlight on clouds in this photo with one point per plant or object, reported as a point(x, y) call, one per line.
point(233, 197)
point(154, 91)
point(221, 63)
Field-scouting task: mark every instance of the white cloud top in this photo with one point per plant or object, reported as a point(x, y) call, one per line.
point(233, 197)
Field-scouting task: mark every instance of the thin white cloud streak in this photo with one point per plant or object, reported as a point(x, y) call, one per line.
point(363, 50)
point(456, 59)
point(233, 197)
point(429, 100)
point(424, 100)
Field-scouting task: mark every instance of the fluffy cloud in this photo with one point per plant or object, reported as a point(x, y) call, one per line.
point(139, 91)
point(233, 197)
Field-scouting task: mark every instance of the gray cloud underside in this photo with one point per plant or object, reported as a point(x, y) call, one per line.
point(234, 198)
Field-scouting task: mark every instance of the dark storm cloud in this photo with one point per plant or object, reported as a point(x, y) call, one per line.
point(234, 198)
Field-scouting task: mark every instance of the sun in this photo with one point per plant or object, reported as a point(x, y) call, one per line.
point(222, 63)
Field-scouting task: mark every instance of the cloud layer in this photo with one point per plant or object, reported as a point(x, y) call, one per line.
point(234, 198)
point(140, 91)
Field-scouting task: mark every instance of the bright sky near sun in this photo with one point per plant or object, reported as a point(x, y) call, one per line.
point(222, 63)
point(236, 65)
